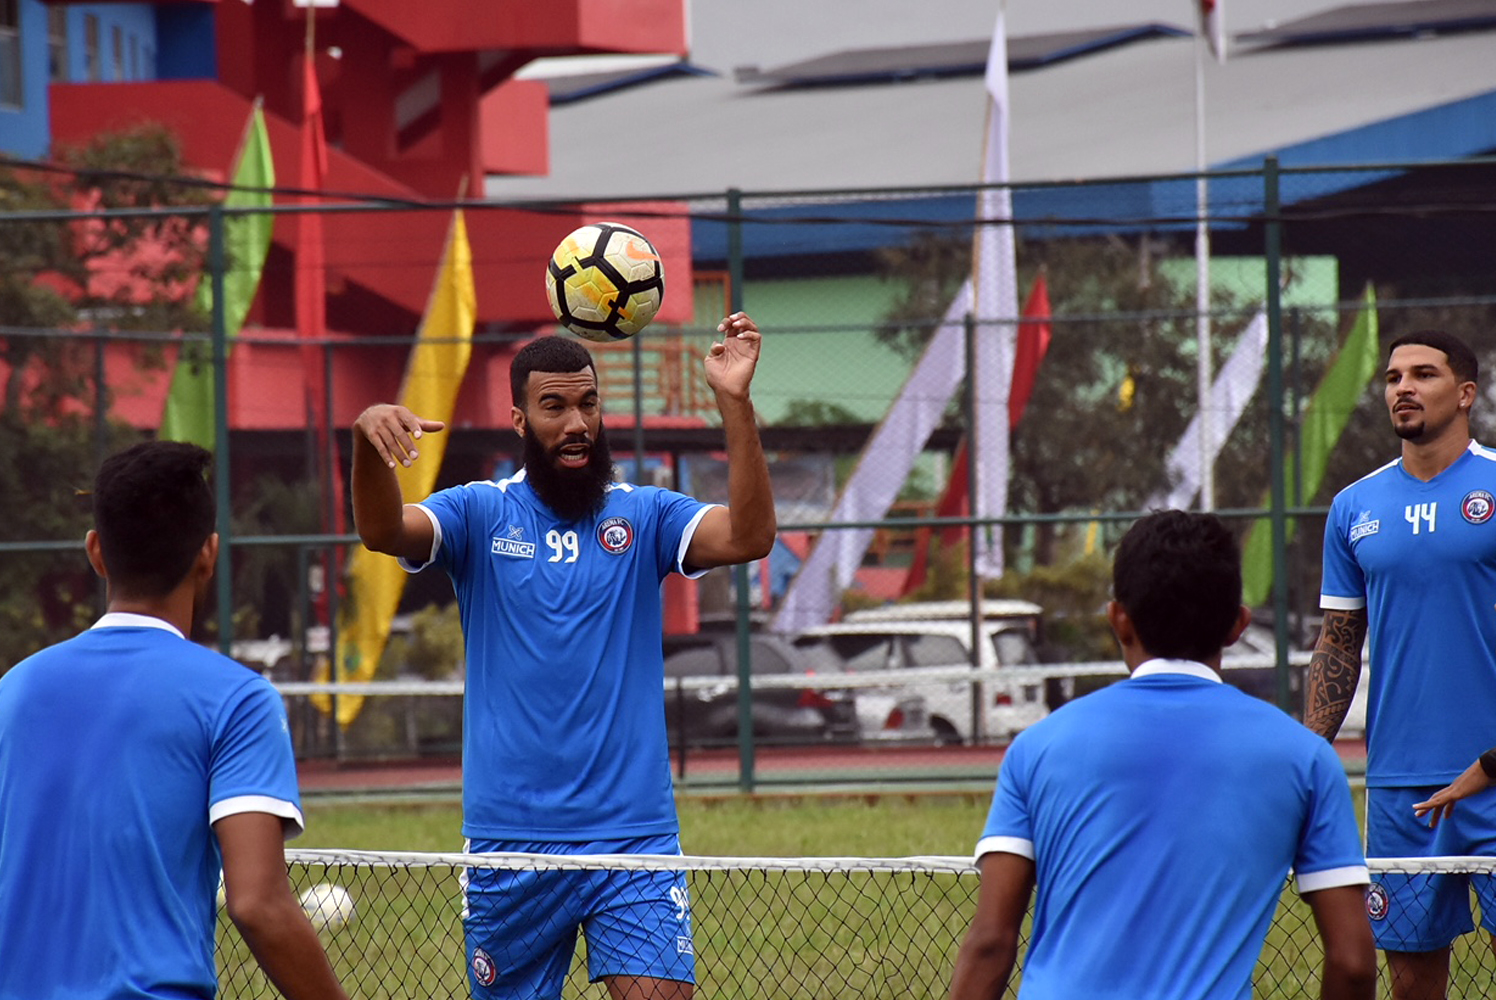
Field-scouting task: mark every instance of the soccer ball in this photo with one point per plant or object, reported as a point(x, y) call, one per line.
point(605, 282)
point(328, 906)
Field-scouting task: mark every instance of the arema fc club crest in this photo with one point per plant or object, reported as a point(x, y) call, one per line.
point(1376, 901)
point(1478, 506)
point(616, 534)
point(484, 971)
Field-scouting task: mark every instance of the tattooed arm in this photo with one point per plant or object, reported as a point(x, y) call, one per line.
point(1334, 670)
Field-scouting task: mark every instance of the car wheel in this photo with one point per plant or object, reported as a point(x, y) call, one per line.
point(945, 733)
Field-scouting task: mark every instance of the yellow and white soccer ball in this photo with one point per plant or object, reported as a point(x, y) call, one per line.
point(328, 906)
point(605, 282)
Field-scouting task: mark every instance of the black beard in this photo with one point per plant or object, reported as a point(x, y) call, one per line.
point(1410, 432)
point(571, 494)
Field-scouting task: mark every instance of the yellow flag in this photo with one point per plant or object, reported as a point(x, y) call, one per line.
point(433, 376)
point(1126, 391)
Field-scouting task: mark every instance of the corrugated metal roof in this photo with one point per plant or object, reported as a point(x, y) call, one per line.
point(1126, 111)
point(1358, 22)
point(967, 58)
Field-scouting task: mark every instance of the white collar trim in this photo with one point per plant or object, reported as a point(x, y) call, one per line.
point(1162, 666)
point(127, 619)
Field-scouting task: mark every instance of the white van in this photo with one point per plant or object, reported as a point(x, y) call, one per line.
point(897, 638)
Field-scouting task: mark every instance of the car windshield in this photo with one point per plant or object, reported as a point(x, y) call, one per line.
point(935, 651)
point(700, 662)
point(1014, 647)
point(856, 652)
point(817, 656)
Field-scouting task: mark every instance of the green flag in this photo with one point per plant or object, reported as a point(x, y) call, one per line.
point(1329, 410)
point(189, 403)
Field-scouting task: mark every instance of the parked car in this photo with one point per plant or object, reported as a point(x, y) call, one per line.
point(701, 697)
point(959, 711)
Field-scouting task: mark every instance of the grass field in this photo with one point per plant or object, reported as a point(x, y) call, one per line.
point(798, 826)
point(782, 935)
point(758, 934)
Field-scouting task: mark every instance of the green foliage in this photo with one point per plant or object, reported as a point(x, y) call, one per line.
point(268, 578)
point(433, 648)
point(1073, 595)
point(816, 413)
point(927, 272)
point(62, 279)
point(45, 596)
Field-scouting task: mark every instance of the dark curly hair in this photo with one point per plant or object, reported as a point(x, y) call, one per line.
point(546, 354)
point(153, 508)
point(1178, 575)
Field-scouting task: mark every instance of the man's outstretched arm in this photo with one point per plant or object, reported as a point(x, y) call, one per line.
point(385, 436)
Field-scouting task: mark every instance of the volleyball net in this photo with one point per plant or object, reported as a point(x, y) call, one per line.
point(770, 928)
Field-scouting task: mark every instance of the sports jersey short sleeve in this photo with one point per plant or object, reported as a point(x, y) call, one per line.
point(118, 750)
point(1175, 796)
point(1420, 557)
point(564, 728)
point(252, 767)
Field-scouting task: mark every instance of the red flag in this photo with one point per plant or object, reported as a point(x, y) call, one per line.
point(1213, 27)
point(311, 293)
point(954, 502)
point(311, 277)
point(1034, 331)
point(1033, 341)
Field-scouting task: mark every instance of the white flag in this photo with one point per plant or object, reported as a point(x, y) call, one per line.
point(1233, 389)
point(815, 593)
point(995, 305)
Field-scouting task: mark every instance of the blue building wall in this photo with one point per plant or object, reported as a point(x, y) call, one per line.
point(26, 131)
point(23, 130)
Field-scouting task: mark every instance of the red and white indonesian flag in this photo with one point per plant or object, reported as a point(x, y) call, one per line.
point(1213, 27)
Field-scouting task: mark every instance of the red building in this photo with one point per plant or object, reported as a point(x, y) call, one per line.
point(419, 104)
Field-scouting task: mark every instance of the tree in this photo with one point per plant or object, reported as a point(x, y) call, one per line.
point(1118, 385)
point(65, 283)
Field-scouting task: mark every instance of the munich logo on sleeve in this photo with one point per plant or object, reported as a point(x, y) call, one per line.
point(1364, 526)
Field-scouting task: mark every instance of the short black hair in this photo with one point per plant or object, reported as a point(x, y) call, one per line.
point(153, 508)
point(1461, 358)
point(1178, 576)
point(546, 354)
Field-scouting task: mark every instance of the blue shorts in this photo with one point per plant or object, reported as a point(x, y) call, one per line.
point(1427, 912)
point(521, 926)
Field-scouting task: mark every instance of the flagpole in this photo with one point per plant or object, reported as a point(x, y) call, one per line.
point(1202, 288)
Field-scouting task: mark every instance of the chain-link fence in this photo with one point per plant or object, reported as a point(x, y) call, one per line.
point(758, 927)
point(855, 290)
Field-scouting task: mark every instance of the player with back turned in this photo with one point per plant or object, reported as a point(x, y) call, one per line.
point(557, 571)
point(1160, 816)
point(133, 763)
point(1410, 557)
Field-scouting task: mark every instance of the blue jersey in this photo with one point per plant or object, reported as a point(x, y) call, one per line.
point(1162, 814)
point(1421, 559)
point(564, 713)
point(118, 750)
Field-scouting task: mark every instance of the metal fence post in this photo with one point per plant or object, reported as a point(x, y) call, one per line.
point(217, 266)
point(973, 580)
point(1273, 252)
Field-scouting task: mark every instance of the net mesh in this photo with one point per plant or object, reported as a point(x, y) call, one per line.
point(772, 928)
